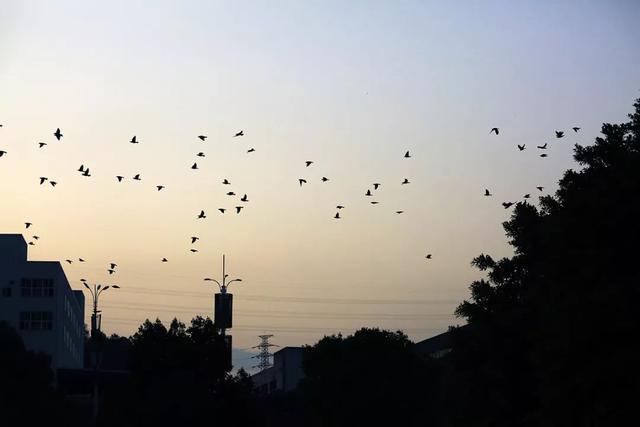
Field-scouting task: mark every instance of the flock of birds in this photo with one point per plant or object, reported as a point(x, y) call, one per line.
point(111, 267)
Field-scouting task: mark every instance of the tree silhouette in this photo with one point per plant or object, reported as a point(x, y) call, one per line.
point(553, 325)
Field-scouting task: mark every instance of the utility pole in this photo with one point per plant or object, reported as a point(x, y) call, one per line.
point(223, 308)
point(96, 341)
point(265, 355)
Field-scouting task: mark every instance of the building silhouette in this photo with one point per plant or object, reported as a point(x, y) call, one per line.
point(36, 299)
point(285, 373)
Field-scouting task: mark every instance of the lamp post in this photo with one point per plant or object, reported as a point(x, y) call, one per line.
point(95, 294)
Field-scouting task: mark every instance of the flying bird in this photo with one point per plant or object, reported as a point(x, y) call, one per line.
point(244, 198)
point(165, 260)
point(368, 193)
point(540, 188)
point(43, 179)
point(201, 215)
point(542, 147)
point(507, 205)
point(80, 259)
point(69, 261)
point(376, 185)
point(221, 210)
point(31, 244)
point(428, 256)
point(526, 196)
point(239, 208)
point(575, 129)
point(339, 207)
point(58, 134)
point(302, 181)
point(559, 134)
point(36, 237)
point(194, 239)
point(194, 166)
point(2, 153)
point(134, 140)
point(200, 154)
point(251, 150)
point(325, 179)
point(113, 265)
point(521, 147)
point(120, 178)
point(543, 155)
point(193, 250)
point(241, 133)
point(53, 183)
point(496, 130)
point(27, 224)
point(308, 163)
point(337, 216)
point(81, 168)
point(226, 182)
point(86, 172)
point(159, 187)
point(111, 271)
point(231, 193)
point(487, 193)
point(406, 181)
point(202, 137)
point(41, 144)
point(137, 177)
point(374, 203)
point(399, 212)
point(407, 155)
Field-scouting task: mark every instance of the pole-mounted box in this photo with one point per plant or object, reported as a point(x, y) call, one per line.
point(223, 310)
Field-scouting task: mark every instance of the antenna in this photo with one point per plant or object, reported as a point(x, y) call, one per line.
point(264, 356)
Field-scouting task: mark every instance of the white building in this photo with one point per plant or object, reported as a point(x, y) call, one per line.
point(36, 299)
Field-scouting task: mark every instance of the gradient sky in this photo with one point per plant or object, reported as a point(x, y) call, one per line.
point(350, 85)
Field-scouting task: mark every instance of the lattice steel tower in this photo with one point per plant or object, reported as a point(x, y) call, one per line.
point(264, 356)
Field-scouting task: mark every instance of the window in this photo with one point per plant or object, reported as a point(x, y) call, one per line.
point(6, 292)
point(37, 287)
point(36, 320)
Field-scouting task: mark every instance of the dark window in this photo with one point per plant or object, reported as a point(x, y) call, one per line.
point(6, 292)
point(36, 320)
point(37, 287)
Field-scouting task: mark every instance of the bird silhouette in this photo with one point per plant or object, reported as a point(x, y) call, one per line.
point(406, 181)
point(41, 144)
point(221, 210)
point(53, 183)
point(58, 134)
point(244, 198)
point(339, 207)
point(308, 163)
point(374, 202)
point(399, 212)
point(575, 129)
point(200, 154)
point(36, 237)
point(111, 271)
point(134, 140)
point(226, 182)
point(86, 172)
point(81, 260)
point(43, 179)
point(507, 205)
point(239, 208)
point(251, 150)
point(496, 130)
point(325, 179)
point(559, 134)
point(31, 244)
point(27, 224)
point(69, 261)
point(202, 137)
point(137, 177)
point(542, 147)
point(486, 192)
point(201, 215)
point(159, 187)
point(120, 178)
point(407, 155)
point(543, 155)
point(376, 185)
point(194, 166)
point(302, 181)
point(521, 147)
point(428, 256)
point(231, 193)
point(241, 133)
point(193, 250)
point(2, 153)
point(165, 260)
point(337, 216)
point(540, 188)
point(81, 168)
point(113, 265)
point(194, 239)
point(368, 193)
point(526, 196)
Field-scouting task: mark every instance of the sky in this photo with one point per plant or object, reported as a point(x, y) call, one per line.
point(351, 86)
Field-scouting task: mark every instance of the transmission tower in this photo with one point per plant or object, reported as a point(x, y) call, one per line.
point(264, 356)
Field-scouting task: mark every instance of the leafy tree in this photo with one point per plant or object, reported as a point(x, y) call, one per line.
point(552, 326)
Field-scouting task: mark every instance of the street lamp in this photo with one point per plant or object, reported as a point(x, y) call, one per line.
point(95, 295)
